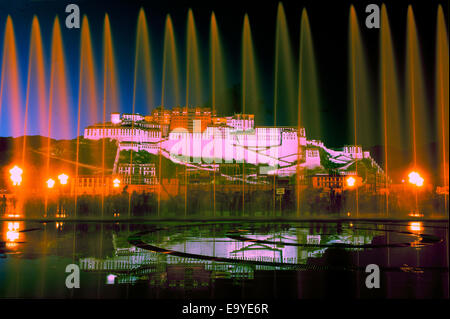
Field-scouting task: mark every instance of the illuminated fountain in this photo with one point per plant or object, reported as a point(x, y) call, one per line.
point(203, 79)
point(234, 147)
point(87, 92)
point(389, 99)
point(169, 83)
point(218, 85)
point(442, 105)
point(308, 113)
point(58, 95)
point(10, 84)
point(361, 114)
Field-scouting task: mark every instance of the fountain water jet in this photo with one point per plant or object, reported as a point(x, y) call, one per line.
point(35, 90)
point(308, 82)
point(142, 76)
point(442, 105)
point(284, 77)
point(35, 79)
point(87, 89)
point(390, 104)
point(193, 82)
point(58, 93)
point(250, 88)
point(219, 101)
point(362, 112)
point(169, 75)
point(415, 97)
point(10, 83)
point(284, 81)
point(308, 112)
point(110, 88)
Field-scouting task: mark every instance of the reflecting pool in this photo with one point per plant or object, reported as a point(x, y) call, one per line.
point(282, 260)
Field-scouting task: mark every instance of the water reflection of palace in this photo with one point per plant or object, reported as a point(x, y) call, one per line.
point(130, 264)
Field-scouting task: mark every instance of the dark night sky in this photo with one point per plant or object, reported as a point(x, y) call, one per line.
point(329, 25)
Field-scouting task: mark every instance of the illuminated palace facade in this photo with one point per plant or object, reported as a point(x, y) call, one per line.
point(199, 138)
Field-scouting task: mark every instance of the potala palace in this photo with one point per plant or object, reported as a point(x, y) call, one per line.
point(196, 137)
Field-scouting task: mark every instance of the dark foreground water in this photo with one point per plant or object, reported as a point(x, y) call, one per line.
point(283, 260)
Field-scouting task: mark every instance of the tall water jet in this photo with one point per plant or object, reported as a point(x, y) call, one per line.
point(111, 93)
point(193, 82)
point(35, 90)
point(362, 117)
point(58, 94)
point(308, 87)
point(58, 87)
point(219, 101)
point(250, 89)
point(415, 100)
point(87, 89)
point(250, 83)
point(142, 83)
point(110, 89)
point(10, 85)
point(391, 130)
point(415, 96)
point(442, 105)
point(284, 78)
point(35, 97)
point(110, 98)
point(170, 88)
point(215, 53)
point(308, 112)
point(284, 81)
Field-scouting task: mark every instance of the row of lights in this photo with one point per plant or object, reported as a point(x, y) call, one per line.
point(414, 179)
point(16, 178)
point(62, 180)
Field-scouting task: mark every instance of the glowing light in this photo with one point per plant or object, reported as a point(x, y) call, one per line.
point(351, 181)
point(415, 179)
point(16, 175)
point(116, 182)
point(63, 178)
point(50, 183)
point(415, 226)
point(110, 279)
point(12, 234)
point(414, 214)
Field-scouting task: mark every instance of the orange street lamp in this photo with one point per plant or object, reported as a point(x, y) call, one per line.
point(116, 182)
point(16, 175)
point(63, 179)
point(415, 226)
point(50, 183)
point(13, 232)
point(415, 179)
point(351, 181)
